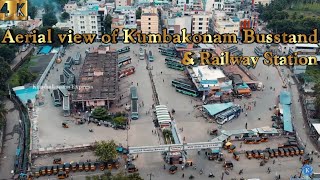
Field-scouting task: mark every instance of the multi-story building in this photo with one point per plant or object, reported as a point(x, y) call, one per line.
point(70, 6)
point(149, 23)
point(120, 3)
point(150, 10)
point(200, 23)
point(221, 5)
point(225, 24)
point(263, 2)
point(174, 25)
point(88, 20)
point(185, 3)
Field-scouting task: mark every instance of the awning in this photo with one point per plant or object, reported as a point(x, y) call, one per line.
point(244, 91)
point(287, 124)
point(214, 109)
point(285, 97)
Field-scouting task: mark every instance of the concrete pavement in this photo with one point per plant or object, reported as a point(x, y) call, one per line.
point(11, 141)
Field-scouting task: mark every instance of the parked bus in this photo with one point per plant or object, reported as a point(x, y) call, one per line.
point(67, 72)
point(123, 50)
point(258, 51)
point(187, 91)
point(124, 61)
point(169, 53)
point(228, 115)
point(171, 59)
point(70, 83)
point(68, 63)
point(176, 66)
point(150, 57)
point(133, 92)
point(77, 58)
point(62, 79)
point(56, 97)
point(181, 82)
point(134, 109)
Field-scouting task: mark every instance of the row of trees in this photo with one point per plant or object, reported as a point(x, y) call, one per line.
point(279, 20)
point(102, 114)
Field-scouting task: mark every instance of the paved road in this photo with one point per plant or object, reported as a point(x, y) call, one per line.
point(11, 140)
point(20, 56)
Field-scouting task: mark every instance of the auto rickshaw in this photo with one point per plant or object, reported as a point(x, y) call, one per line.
point(255, 154)
point(276, 152)
point(57, 161)
point(286, 152)
point(305, 159)
point(249, 141)
point(232, 149)
point(270, 152)
point(37, 172)
point(93, 166)
point(49, 170)
point(61, 167)
point(296, 151)
point(43, 170)
point(173, 169)
point(87, 166)
point(102, 166)
point(301, 149)
point(227, 145)
point(55, 169)
point(228, 165)
point(214, 132)
point(292, 151)
point(281, 152)
point(65, 125)
point(109, 164)
point(257, 140)
point(62, 175)
point(189, 163)
point(132, 168)
point(249, 154)
point(81, 166)
point(67, 167)
point(236, 155)
point(261, 154)
point(266, 157)
point(116, 164)
point(74, 166)
point(264, 139)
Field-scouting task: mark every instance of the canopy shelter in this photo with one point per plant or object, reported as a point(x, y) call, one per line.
point(287, 124)
point(285, 97)
point(214, 109)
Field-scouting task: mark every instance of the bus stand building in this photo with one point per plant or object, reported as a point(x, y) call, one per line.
point(98, 79)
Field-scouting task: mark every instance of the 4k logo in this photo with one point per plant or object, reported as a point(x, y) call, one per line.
point(13, 10)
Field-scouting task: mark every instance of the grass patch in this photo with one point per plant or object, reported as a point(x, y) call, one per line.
point(313, 74)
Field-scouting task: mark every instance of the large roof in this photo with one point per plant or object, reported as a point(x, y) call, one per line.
point(285, 97)
point(287, 124)
point(214, 109)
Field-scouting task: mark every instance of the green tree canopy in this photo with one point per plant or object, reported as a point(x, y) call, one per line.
point(5, 73)
point(65, 16)
point(138, 13)
point(49, 19)
point(106, 150)
point(120, 120)
point(3, 112)
point(100, 113)
point(107, 24)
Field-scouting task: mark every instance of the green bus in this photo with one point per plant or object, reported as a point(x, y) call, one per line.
point(187, 91)
point(150, 57)
point(169, 53)
point(56, 97)
point(171, 59)
point(133, 92)
point(176, 67)
point(181, 82)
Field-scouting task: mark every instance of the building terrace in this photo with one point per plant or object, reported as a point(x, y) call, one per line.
point(98, 79)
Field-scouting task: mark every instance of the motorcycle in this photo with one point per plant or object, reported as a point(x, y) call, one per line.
point(211, 175)
point(201, 172)
point(191, 177)
point(90, 130)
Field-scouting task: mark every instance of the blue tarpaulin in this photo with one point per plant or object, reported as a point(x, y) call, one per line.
point(287, 124)
point(285, 97)
point(18, 152)
point(214, 109)
point(243, 86)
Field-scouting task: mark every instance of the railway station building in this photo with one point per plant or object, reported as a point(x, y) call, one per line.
point(98, 79)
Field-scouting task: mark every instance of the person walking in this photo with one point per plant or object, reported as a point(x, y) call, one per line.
point(164, 166)
point(183, 175)
point(246, 126)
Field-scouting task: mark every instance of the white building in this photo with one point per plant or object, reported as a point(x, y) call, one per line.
point(223, 23)
point(70, 6)
point(183, 3)
point(263, 2)
point(286, 49)
point(174, 25)
point(200, 23)
point(88, 20)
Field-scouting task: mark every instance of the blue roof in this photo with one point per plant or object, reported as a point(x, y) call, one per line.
point(242, 86)
point(235, 19)
point(285, 97)
point(214, 109)
point(287, 124)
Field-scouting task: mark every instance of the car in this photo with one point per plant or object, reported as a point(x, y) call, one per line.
point(119, 127)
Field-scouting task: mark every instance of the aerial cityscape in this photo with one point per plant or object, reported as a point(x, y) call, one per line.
point(133, 111)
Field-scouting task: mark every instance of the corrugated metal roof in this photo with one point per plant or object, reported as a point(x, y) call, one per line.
point(287, 124)
point(214, 109)
point(285, 97)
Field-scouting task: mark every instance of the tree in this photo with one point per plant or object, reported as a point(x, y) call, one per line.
point(120, 120)
point(32, 10)
point(138, 13)
point(65, 16)
point(7, 53)
point(5, 73)
point(49, 19)
point(106, 151)
point(100, 113)
point(3, 112)
point(107, 24)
